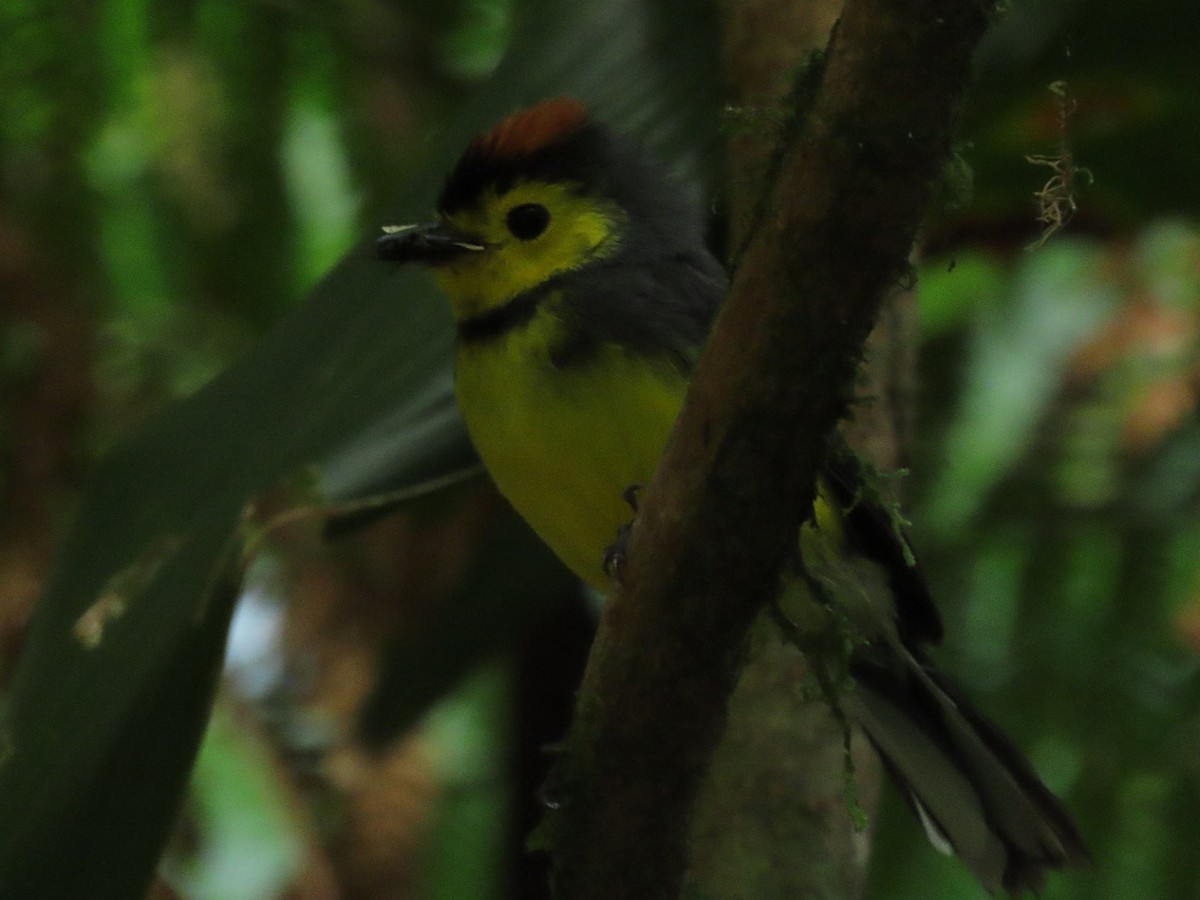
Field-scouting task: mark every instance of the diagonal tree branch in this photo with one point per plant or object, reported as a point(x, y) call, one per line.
point(853, 182)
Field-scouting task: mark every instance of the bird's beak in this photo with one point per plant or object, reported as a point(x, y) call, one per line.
point(433, 243)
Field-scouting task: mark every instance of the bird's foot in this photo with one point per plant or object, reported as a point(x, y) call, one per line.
point(614, 555)
point(553, 793)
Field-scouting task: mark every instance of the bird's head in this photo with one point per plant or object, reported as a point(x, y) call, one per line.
point(545, 193)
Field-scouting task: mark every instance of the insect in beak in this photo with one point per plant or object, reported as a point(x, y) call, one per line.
point(432, 243)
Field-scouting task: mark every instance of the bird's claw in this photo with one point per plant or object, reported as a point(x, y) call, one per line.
point(614, 556)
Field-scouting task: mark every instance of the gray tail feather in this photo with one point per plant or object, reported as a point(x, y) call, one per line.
point(972, 788)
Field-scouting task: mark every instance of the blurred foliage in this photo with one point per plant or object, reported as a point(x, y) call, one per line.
point(174, 176)
point(249, 845)
point(1060, 528)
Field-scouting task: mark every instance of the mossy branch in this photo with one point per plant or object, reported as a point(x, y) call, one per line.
point(737, 476)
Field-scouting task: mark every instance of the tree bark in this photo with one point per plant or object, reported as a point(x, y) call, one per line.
point(822, 250)
point(771, 818)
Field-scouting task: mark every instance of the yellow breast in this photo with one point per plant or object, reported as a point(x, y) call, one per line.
point(564, 444)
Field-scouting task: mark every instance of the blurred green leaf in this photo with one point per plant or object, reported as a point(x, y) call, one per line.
point(1168, 257)
point(990, 608)
point(1057, 296)
point(319, 184)
point(247, 843)
point(953, 291)
point(1136, 848)
point(475, 46)
point(468, 733)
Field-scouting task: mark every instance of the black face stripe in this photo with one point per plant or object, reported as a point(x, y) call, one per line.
point(500, 320)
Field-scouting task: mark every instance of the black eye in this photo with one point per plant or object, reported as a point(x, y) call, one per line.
point(528, 220)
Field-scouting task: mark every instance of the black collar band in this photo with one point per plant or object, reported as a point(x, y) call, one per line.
point(500, 320)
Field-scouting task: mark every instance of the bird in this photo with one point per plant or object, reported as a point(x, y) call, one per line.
point(582, 290)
